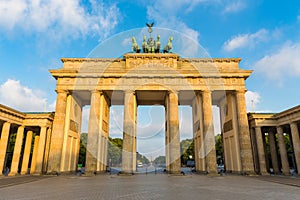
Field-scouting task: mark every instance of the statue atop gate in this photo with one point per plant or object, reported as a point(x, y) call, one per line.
point(151, 45)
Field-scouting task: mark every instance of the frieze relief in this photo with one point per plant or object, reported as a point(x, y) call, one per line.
point(151, 62)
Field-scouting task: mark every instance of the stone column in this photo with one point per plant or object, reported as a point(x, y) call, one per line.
point(198, 133)
point(41, 150)
point(104, 153)
point(209, 136)
point(283, 153)
point(254, 150)
point(65, 155)
point(167, 133)
point(273, 151)
point(26, 153)
point(93, 133)
point(47, 148)
point(34, 154)
point(296, 144)
point(3, 144)
point(129, 134)
point(244, 134)
point(261, 151)
point(174, 137)
point(58, 132)
point(17, 152)
point(100, 165)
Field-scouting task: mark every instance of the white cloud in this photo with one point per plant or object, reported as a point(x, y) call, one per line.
point(246, 40)
point(20, 97)
point(284, 62)
point(63, 18)
point(252, 99)
point(234, 7)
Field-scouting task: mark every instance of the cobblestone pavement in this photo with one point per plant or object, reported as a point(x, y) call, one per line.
point(146, 187)
point(286, 180)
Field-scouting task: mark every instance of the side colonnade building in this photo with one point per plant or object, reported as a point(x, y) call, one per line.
point(24, 141)
point(275, 141)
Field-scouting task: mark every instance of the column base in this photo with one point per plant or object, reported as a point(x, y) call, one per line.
point(286, 173)
point(13, 174)
point(248, 173)
point(264, 174)
point(125, 173)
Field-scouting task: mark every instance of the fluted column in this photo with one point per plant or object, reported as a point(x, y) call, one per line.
point(34, 154)
point(93, 133)
point(58, 132)
point(296, 144)
point(174, 137)
point(244, 134)
point(167, 133)
point(209, 137)
point(47, 149)
point(26, 153)
point(261, 151)
point(273, 151)
point(198, 133)
point(41, 150)
point(17, 151)
point(283, 153)
point(4, 143)
point(129, 133)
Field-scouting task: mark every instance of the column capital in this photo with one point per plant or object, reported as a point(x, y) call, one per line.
point(240, 91)
point(62, 91)
point(173, 92)
point(21, 127)
point(206, 91)
point(130, 91)
point(7, 122)
point(293, 123)
point(96, 91)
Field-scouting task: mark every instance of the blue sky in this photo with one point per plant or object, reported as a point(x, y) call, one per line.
point(35, 34)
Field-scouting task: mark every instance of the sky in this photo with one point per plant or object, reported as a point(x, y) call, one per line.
point(35, 34)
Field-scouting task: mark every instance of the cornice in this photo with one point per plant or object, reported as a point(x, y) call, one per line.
point(153, 55)
point(91, 59)
point(211, 60)
point(11, 112)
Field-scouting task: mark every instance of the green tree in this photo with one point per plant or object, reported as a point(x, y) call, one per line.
point(219, 147)
point(187, 150)
point(160, 160)
point(115, 151)
point(82, 150)
point(141, 158)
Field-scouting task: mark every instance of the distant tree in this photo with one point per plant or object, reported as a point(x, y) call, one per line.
point(82, 150)
point(115, 151)
point(141, 158)
point(160, 160)
point(187, 150)
point(219, 148)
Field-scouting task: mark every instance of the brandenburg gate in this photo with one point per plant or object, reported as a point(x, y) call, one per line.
point(150, 78)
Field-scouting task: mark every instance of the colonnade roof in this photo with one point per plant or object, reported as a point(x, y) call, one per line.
point(11, 115)
point(275, 119)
